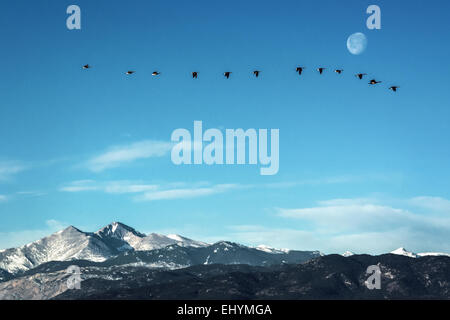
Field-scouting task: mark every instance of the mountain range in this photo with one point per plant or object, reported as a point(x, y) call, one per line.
point(74, 244)
point(119, 262)
point(325, 277)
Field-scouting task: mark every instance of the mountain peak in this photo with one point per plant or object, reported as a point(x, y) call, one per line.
point(269, 249)
point(228, 244)
point(403, 252)
point(347, 254)
point(70, 229)
point(118, 229)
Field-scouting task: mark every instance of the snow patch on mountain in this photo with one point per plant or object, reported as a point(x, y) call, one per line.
point(425, 254)
point(403, 252)
point(175, 237)
point(268, 249)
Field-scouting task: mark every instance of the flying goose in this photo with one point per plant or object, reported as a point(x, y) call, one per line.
point(360, 75)
point(194, 75)
point(394, 88)
point(130, 72)
point(320, 70)
point(299, 70)
point(156, 73)
point(256, 73)
point(339, 71)
point(373, 81)
point(227, 74)
point(86, 66)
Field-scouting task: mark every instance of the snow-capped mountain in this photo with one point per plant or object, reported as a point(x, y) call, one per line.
point(324, 277)
point(434, 254)
point(119, 244)
point(348, 254)
point(404, 252)
point(268, 249)
point(125, 238)
point(177, 257)
point(74, 244)
point(118, 256)
point(67, 244)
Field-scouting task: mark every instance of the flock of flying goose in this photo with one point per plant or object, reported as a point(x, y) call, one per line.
point(256, 73)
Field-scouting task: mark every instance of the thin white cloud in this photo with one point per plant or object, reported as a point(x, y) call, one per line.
point(436, 204)
point(114, 187)
point(31, 193)
point(348, 217)
point(151, 192)
point(128, 187)
point(330, 241)
point(371, 225)
point(355, 214)
point(9, 168)
point(185, 193)
point(119, 155)
point(21, 194)
point(348, 202)
point(81, 185)
point(341, 179)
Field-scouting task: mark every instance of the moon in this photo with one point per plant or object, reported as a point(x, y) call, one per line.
point(357, 43)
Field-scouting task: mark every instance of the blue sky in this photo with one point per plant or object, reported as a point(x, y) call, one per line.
point(361, 168)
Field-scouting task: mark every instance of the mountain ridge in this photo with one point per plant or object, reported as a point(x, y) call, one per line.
point(116, 239)
point(72, 243)
point(325, 277)
point(118, 242)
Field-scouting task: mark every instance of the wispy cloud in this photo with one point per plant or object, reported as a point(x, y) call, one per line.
point(348, 216)
point(185, 193)
point(31, 193)
point(340, 179)
point(359, 224)
point(20, 195)
point(10, 168)
point(151, 192)
point(115, 187)
point(182, 190)
point(81, 185)
point(119, 155)
point(436, 204)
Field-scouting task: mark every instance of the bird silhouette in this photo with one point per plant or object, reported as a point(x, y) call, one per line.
point(373, 81)
point(256, 73)
point(360, 75)
point(300, 70)
point(394, 88)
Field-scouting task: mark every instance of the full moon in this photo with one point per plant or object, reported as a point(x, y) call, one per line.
point(357, 43)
